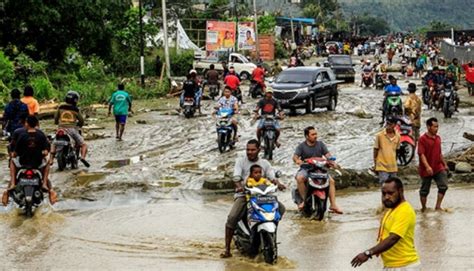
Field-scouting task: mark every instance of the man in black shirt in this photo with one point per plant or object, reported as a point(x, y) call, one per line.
point(30, 146)
point(268, 106)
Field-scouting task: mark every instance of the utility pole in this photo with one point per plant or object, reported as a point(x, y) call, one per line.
point(257, 42)
point(142, 55)
point(165, 39)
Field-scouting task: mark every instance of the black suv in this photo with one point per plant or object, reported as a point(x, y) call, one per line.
point(306, 87)
point(342, 66)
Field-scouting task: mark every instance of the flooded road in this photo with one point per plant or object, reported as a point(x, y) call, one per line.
point(141, 205)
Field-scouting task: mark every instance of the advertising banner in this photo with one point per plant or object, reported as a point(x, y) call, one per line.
point(246, 36)
point(220, 35)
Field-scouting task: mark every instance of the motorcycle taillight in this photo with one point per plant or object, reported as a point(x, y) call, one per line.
point(29, 174)
point(60, 133)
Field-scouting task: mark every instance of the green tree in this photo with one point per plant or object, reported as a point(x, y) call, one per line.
point(44, 29)
point(367, 25)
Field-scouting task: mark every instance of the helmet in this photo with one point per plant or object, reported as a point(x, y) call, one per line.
point(193, 71)
point(269, 90)
point(72, 97)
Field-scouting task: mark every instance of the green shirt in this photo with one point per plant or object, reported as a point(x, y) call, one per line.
point(121, 102)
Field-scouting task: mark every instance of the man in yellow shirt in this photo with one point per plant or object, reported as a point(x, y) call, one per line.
point(32, 103)
point(413, 110)
point(396, 235)
point(387, 142)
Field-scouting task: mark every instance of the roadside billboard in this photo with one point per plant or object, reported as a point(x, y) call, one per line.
point(220, 35)
point(246, 36)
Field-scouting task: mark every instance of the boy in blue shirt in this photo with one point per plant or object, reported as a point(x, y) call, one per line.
point(122, 104)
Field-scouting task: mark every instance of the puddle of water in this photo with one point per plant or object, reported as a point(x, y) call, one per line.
point(124, 162)
point(86, 178)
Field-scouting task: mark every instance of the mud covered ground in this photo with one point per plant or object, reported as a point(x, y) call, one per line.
point(141, 205)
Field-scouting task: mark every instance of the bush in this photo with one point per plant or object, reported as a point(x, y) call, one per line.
point(280, 51)
point(7, 72)
point(181, 63)
point(43, 88)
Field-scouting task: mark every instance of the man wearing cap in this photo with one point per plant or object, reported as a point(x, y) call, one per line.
point(268, 106)
point(413, 110)
point(387, 142)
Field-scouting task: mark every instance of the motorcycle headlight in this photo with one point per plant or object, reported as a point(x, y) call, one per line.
point(268, 216)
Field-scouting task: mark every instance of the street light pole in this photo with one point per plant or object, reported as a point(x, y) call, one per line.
point(142, 55)
point(165, 39)
point(257, 42)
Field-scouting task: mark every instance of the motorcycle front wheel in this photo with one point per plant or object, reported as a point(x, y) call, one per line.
point(446, 111)
point(320, 208)
point(29, 209)
point(269, 146)
point(61, 157)
point(405, 154)
point(270, 251)
point(221, 142)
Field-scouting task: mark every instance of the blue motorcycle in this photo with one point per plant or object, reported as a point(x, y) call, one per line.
point(224, 129)
point(258, 231)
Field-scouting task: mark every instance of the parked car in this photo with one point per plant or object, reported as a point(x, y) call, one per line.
point(342, 67)
point(306, 87)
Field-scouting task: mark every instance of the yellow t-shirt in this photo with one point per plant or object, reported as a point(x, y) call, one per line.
point(32, 103)
point(251, 182)
point(400, 221)
point(387, 151)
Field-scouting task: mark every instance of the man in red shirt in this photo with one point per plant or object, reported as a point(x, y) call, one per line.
point(258, 75)
point(469, 70)
point(232, 81)
point(432, 164)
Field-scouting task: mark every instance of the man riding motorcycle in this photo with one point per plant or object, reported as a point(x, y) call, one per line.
point(367, 70)
point(241, 174)
point(311, 148)
point(268, 106)
point(391, 88)
point(233, 82)
point(258, 75)
point(30, 146)
point(69, 118)
point(212, 77)
point(229, 101)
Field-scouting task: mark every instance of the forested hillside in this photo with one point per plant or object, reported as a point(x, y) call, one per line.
point(405, 15)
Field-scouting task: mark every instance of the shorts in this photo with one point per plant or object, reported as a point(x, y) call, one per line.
point(122, 119)
point(383, 176)
point(262, 122)
point(441, 179)
point(239, 209)
point(74, 133)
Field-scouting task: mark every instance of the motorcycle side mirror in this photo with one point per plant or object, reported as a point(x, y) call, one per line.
point(278, 174)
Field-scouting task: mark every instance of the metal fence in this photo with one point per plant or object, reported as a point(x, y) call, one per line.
point(462, 53)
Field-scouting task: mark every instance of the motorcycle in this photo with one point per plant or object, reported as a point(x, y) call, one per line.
point(67, 153)
point(188, 107)
point(27, 193)
point(257, 232)
point(367, 79)
point(224, 129)
point(255, 89)
point(426, 93)
point(380, 82)
point(317, 187)
point(269, 135)
point(435, 94)
point(406, 152)
point(394, 106)
point(450, 97)
point(213, 90)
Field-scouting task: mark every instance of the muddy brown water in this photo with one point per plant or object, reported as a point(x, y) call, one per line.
point(141, 204)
